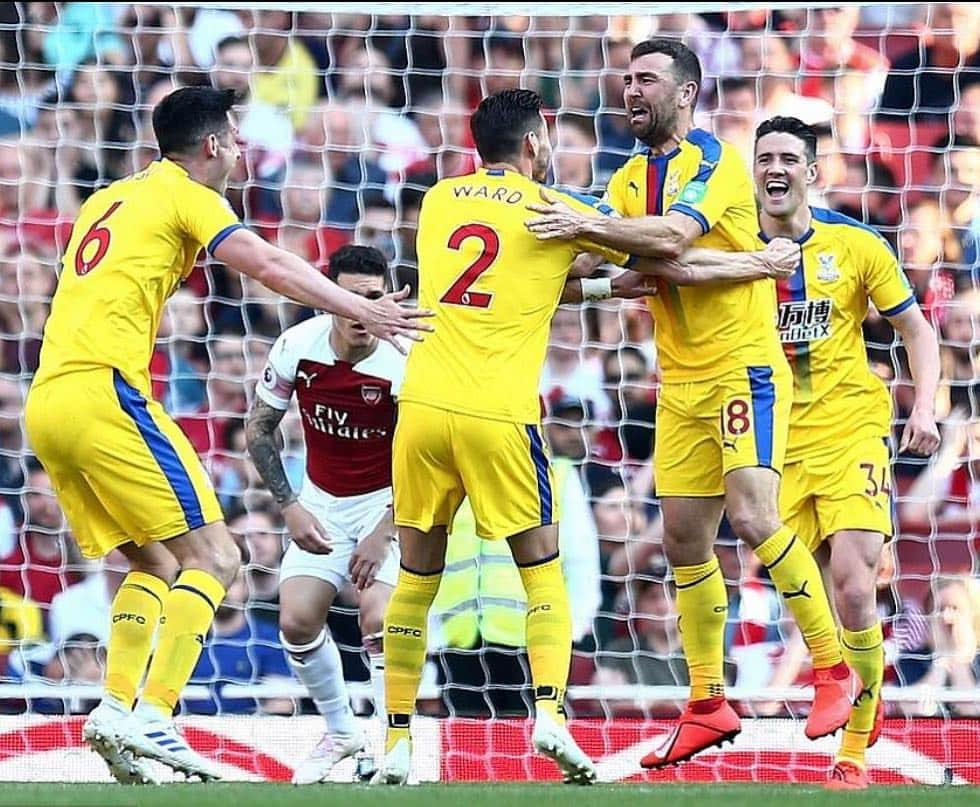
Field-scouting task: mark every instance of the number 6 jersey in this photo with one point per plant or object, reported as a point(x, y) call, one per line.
point(494, 288)
point(132, 245)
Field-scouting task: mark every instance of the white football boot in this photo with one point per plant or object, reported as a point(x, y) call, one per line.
point(101, 733)
point(396, 765)
point(331, 750)
point(554, 741)
point(149, 734)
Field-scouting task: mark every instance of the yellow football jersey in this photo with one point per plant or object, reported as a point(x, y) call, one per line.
point(821, 309)
point(494, 288)
point(703, 332)
point(132, 245)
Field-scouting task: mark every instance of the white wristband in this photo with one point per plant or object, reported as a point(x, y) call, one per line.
point(596, 288)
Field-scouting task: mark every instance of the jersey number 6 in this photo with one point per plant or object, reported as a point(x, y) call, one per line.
point(459, 293)
point(101, 237)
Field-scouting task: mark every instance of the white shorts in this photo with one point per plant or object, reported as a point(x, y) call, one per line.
point(347, 519)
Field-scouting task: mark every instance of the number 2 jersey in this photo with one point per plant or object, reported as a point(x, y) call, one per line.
point(821, 310)
point(494, 288)
point(703, 332)
point(131, 246)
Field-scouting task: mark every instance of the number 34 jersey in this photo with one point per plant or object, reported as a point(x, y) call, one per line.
point(821, 310)
point(494, 288)
point(132, 245)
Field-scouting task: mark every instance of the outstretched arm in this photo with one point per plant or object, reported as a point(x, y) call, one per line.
point(699, 266)
point(291, 276)
point(262, 439)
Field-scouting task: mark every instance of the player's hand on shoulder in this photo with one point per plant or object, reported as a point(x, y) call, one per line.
point(920, 435)
point(781, 257)
point(630, 285)
point(386, 318)
point(555, 220)
point(306, 530)
point(367, 557)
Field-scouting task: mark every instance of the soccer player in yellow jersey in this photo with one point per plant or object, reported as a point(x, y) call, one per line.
point(836, 487)
point(125, 475)
point(724, 405)
point(469, 412)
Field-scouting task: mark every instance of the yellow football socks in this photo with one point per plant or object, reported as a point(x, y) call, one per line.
point(702, 604)
point(794, 571)
point(405, 644)
point(863, 652)
point(136, 612)
point(549, 633)
point(188, 612)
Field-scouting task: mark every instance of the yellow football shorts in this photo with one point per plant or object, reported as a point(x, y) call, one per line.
point(849, 489)
point(706, 429)
point(439, 457)
point(121, 468)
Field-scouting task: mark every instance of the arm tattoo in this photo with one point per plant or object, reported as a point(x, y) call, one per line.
point(264, 445)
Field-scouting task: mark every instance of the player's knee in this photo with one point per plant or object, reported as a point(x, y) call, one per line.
point(163, 566)
point(220, 557)
point(687, 550)
point(298, 627)
point(752, 524)
point(855, 600)
point(371, 624)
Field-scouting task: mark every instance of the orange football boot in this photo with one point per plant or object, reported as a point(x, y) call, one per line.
point(694, 732)
point(847, 776)
point(835, 689)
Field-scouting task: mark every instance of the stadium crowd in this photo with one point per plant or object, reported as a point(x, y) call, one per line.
point(346, 121)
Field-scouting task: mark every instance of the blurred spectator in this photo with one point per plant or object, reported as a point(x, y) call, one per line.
point(21, 629)
point(736, 116)
point(226, 398)
point(177, 366)
point(959, 334)
point(947, 492)
point(927, 80)
point(260, 533)
point(43, 562)
point(376, 227)
point(572, 163)
point(406, 269)
point(86, 606)
point(955, 613)
point(12, 450)
point(79, 31)
point(305, 195)
point(240, 650)
point(286, 73)
point(335, 129)
point(769, 57)
point(26, 286)
point(614, 137)
point(444, 126)
point(629, 386)
point(568, 370)
point(929, 252)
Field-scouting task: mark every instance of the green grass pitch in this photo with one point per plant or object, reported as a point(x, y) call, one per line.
point(467, 795)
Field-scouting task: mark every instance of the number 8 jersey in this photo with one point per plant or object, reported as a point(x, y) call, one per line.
point(494, 288)
point(132, 245)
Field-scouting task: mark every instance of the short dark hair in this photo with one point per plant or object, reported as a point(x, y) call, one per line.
point(188, 115)
point(687, 66)
point(501, 121)
point(793, 126)
point(355, 259)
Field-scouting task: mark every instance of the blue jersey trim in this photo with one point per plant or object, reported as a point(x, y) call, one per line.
point(221, 236)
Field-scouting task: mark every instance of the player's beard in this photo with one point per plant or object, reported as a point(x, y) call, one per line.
point(660, 129)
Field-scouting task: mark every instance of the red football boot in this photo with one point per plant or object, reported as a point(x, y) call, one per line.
point(695, 731)
point(847, 776)
point(835, 689)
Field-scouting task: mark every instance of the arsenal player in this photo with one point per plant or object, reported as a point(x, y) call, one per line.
point(346, 382)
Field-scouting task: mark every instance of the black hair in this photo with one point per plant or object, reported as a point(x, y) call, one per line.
point(501, 121)
point(355, 259)
point(793, 126)
point(687, 66)
point(188, 115)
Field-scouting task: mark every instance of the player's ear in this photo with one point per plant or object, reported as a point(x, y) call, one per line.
point(811, 173)
point(211, 145)
point(533, 144)
point(688, 94)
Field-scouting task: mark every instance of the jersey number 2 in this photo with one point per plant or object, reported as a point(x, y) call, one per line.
point(459, 293)
point(98, 235)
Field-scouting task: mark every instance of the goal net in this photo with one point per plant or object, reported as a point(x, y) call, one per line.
point(349, 114)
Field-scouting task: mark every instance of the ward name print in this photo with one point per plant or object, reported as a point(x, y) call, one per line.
point(805, 320)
